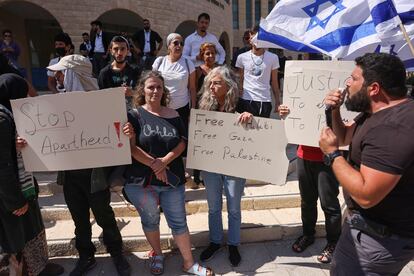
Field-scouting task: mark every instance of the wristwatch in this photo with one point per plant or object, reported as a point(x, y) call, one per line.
point(329, 158)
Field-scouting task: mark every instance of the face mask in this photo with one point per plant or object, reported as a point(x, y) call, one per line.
point(61, 51)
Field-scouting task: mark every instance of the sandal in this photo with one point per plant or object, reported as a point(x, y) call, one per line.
point(156, 263)
point(327, 253)
point(302, 243)
point(197, 269)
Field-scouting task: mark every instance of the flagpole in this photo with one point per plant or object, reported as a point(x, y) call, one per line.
point(407, 38)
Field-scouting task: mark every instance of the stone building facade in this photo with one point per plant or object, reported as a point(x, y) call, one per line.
point(246, 14)
point(35, 22)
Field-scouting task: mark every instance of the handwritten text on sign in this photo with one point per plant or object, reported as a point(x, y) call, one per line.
point(218, 143)
point(305, 87)
point(73, 130)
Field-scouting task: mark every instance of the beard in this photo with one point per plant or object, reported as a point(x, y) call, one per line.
point(359, 102)
point(118, 61)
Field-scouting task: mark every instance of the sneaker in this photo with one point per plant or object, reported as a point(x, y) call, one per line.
point(209, 252)
point(83, 265)
point(52, 269)
point(122, 265)
point(234, 255)
point(327, 253)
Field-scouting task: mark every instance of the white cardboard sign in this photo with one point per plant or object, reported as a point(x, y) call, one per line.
point(218, 143)
point(73, 130)
point(305, 86)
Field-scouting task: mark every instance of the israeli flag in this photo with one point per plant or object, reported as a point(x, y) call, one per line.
point(339, 28)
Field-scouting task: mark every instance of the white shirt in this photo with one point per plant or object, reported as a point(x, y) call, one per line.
point(257, 74)
point(99, 48)
point(192, 47)
point(176, 77)
point(147, 47)
point(53, 61)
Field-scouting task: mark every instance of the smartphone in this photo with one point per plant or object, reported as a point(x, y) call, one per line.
point(172, 179)
point(328, 112)
point(328, 116)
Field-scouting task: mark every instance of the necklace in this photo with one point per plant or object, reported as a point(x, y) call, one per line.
point(257, 68)
point(261, 58)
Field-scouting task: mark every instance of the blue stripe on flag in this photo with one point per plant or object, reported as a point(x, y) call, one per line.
point(383, 12)
point(284, 42)
point(344, 36)
point(407, 16)
point(409, 63)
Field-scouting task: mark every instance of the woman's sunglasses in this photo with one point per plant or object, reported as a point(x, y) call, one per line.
point(177, 42)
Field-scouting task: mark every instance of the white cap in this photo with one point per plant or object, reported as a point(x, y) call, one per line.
point(77, 63)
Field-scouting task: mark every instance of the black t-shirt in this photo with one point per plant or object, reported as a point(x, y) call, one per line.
point(109, 78)
point(384, 141)
point(157, 136)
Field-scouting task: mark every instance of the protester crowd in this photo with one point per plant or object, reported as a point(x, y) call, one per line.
point(377, 237)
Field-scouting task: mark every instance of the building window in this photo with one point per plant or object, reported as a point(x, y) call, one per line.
point(270, 5)
point(235, 8)
point(249, 20)
point(257, 11)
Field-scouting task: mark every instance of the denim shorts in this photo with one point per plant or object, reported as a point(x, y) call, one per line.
point(147, 201)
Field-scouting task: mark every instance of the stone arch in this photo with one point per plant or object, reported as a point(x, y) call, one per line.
point(34, 28)
point(186, 28)
point(225, 42)
point(120, 20)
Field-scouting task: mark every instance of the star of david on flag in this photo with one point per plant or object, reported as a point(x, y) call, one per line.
point(340, 28)
point(312, 11)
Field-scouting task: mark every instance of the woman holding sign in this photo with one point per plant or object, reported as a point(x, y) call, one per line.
point(156, 176)
point(22, 233)
point(220, 93)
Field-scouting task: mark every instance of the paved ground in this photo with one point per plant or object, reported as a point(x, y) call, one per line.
point(270, 258)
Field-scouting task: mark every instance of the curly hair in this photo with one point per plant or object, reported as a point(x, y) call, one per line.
point(140, 97)
point(208, 102)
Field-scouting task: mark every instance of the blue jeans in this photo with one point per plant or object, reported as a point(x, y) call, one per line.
point(233, 188)
point(146, 201)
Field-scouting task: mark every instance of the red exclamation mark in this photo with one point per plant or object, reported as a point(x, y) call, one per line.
point(117, 126)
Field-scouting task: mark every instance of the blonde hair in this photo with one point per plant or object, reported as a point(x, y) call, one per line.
point(140, 97)
point(208, 102)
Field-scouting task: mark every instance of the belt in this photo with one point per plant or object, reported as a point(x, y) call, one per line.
point(369, 227)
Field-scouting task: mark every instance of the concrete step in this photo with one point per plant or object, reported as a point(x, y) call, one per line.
point(48, 186)
point(47, 183)
point(257, 196)
point(257, 226)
